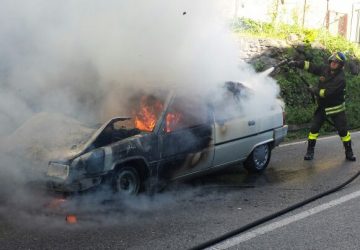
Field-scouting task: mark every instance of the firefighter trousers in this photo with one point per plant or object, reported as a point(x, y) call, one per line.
point(339, 120)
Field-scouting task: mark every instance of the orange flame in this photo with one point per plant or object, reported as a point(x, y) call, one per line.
point(71, 219)
point(147, 115)
point(172, 120)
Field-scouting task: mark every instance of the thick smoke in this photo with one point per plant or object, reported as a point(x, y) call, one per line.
point(68, 63)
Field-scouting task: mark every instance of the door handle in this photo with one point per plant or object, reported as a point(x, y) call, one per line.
point(251, 123)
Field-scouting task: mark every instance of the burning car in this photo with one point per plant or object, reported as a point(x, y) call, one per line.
point(169, 137)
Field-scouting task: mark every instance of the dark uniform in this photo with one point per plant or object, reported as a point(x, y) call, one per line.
point(330, 92)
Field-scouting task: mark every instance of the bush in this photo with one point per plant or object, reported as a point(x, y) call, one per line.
point(308, 36)
point(299, 115)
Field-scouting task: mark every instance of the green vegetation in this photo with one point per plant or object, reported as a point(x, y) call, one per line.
point(332, 43)
point(314, 46)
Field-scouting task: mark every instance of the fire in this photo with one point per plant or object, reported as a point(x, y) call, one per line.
point(172, 120)
point(71, 219)
point(148, 113)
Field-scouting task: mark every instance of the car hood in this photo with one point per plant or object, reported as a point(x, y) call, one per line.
point(138, 141)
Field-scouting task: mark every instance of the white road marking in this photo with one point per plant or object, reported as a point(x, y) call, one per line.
point(319, 139)
point(271, 227)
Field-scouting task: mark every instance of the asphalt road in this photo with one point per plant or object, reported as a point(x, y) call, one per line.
point(187, 214)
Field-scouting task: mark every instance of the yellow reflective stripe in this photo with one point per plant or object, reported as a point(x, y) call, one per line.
point(322, 93)
point(338, 57)
point(335, 112)
point(346, 137)
point(336, 107)
point(306, 65)
point(313, 136)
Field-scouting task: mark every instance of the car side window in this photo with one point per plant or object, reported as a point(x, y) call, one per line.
point(184, 113)
point(105, 137)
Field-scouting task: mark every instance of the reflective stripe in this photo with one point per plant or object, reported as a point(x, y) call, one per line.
point(346, 138)
point(335, 109)
point(338, 57)
point(322, 93)
point(313, 136)
point(306, 65)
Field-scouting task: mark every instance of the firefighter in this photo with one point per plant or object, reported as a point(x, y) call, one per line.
point(329, 93)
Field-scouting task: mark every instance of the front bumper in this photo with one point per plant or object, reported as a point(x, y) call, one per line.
point(58, 185)
point(280, 134)
point(61, 177)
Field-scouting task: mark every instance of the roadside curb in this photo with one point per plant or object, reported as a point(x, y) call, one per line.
point(320, 139)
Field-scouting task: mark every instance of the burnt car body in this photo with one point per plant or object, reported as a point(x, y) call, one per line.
point(186, 136)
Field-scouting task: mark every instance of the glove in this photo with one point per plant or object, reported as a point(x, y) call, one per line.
point(295, 64)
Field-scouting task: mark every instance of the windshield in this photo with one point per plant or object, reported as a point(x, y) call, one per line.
point(146, 112)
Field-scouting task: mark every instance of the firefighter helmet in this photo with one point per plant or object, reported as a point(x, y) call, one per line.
point(338, 57)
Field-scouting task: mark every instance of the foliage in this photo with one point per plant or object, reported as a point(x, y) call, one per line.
point(338, 43)
point(283, 31)
point(259, 65)
point(298, 115)
point(353, 101)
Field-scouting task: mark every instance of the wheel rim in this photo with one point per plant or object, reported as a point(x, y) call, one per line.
point(127, 183)
point(261, 156)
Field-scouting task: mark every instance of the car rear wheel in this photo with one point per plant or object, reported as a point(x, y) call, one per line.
point(259, 159)
point(126, 181)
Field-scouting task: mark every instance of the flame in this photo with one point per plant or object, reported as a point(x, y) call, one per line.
point(71, 219)
point(148, 113)
point(172, 120)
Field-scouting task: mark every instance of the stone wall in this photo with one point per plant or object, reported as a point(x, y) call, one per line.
point(266, 50)
point(271, 51)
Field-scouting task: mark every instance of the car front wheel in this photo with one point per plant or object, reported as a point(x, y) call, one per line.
point(259, 159)
point(126, 181)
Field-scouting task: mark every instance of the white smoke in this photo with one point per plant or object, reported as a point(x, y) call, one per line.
point(78, 56)
point(82, 58)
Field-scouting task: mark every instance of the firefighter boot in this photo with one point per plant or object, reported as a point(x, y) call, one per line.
point(310, 150)
point(348, 151)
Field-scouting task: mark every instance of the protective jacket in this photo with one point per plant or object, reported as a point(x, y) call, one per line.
point(330, 90)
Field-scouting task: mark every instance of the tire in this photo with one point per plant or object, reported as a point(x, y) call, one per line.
point(259, 159)
point(126, 181)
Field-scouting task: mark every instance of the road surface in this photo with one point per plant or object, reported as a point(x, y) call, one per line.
point(187, 214)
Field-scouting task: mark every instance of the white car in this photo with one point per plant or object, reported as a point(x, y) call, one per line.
point(168, 137)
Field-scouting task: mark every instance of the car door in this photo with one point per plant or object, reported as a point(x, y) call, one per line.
point(186, 138)
point(236, 130)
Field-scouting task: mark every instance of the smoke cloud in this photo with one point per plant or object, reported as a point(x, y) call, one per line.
point(68, 63)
